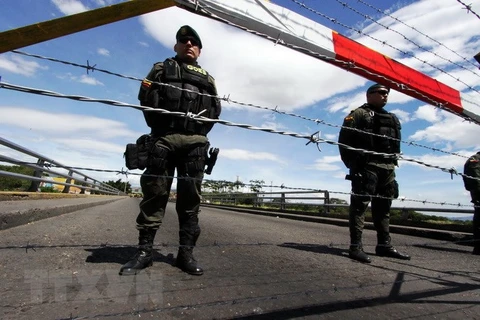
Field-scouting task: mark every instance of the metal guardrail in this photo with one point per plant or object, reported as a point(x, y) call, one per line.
point(41, 167)
point(284, 199)
point(280, 199)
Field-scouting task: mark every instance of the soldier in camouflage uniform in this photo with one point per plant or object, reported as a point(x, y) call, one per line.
point(178, 143)
point(371, 175)
point(472, 169)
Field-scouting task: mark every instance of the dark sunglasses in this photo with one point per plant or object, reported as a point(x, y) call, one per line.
point(185, 40)
point(382, 92)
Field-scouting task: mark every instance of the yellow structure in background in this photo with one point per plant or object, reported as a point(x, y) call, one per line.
point(60, 187)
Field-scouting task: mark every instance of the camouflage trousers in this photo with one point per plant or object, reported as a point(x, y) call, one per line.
point(183, 153)
point(372, 181)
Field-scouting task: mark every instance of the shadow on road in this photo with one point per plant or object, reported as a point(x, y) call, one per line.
point(317, 248)
point(121, 255)
point(395, 296)
point(432, 247)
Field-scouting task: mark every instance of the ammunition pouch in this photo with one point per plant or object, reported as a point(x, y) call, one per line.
point(363, 182)
point(391, 190)
point(137, 155)
point(144, 153)
point(196, 159)
point(158, 157)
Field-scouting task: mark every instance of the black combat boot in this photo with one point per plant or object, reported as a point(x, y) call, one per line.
point(356, 253)
point(143, 258)
point(387, 250)
point(476, 244)
point(187, 263)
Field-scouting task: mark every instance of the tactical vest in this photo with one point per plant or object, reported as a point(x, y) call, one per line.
point(190, 81)
point(381, 124)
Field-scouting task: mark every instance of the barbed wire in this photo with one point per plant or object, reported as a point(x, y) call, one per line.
point(225, 183)
point(365, 16)
point(418, 31)
point(468, 7)
point(88, 67)
point(313, 138)
point(360, 32)
point(328, 286)
point(228, 99)
point(203, 9)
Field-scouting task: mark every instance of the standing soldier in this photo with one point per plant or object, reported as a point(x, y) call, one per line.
point(370, 127)
point(174, 142)
point(472, 169)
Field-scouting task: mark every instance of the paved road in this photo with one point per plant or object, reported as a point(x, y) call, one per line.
point(256, 267)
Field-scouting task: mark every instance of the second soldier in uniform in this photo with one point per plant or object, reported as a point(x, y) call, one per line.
point(372, 176)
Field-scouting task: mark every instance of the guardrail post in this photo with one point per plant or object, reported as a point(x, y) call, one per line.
point(37, 174)
point(69, 180)
point(82, 190)
point(327, 201)
point(282, 201)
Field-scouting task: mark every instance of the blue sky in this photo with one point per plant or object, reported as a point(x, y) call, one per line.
point(251, 70)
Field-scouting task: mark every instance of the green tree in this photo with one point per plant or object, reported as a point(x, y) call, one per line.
point(238, 184)
point(120, 185)
point(15, 184)
point(256, 185)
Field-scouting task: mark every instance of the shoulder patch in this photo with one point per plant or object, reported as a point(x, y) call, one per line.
point(146, 84)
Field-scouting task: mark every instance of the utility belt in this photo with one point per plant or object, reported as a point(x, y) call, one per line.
point(144, 153)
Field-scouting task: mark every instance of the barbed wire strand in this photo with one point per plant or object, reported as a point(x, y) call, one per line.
point(225, 183)
point(308, 292)
point(276, 110)
point(418, 31)
point(383, 42)
point(203, 9)
point(468, 7)
point(365, 16)
point(313, 138)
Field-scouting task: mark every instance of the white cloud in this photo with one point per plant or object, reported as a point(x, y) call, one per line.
point(19, 65)
point(450, 128)
point(89, 80)
point(246, 155)
point(271, 75)
point(428, 113)
point(64, 124)
point(103, 52)
point(327, 163)
point(69, 7)
point(402, 115)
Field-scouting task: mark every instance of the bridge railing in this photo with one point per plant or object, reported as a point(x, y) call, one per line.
point(73, 178)
point(316, 201)
point(281, 200)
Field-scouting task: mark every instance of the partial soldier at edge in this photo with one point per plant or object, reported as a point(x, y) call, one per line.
point(472, 169)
